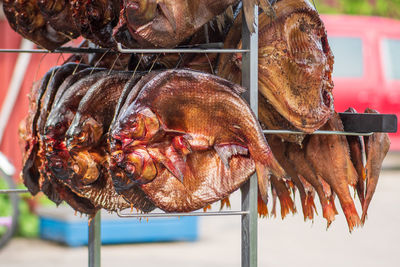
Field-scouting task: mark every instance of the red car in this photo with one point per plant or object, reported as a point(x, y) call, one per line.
point(367, 64)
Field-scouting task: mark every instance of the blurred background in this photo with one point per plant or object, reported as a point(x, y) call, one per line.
point(365, 39)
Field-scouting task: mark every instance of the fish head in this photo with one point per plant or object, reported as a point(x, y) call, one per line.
point(296, 64)
point(140, 12)
point(85, 167)
point(57, 124)
point(139, 166)
point(84, 132)
point(136, 128)
point(58, 164)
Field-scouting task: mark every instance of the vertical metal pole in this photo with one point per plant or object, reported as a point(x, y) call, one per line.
point(94, 244)
point(249, 190)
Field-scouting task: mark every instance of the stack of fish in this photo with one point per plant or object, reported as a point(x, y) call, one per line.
point(181, 139)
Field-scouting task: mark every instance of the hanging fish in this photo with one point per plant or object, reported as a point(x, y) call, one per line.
point(179, 112)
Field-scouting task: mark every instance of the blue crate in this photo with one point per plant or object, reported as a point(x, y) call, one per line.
point(61, 225)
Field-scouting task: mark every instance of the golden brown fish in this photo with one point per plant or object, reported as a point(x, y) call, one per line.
point(307, 174)
point(338, 170)
point(58, 13)
point(26, 19)
point(376, 147)
point(174, 115)
point(294, 61)
point(168, 23)
point(96, 19)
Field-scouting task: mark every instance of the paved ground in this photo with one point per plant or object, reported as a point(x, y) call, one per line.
point(281, 243)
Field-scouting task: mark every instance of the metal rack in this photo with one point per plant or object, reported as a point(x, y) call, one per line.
point(248, 210)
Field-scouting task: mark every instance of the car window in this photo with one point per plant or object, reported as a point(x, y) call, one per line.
point(348, 56)
point(391, 58)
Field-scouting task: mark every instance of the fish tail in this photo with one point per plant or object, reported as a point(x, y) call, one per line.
point(329, 212)
point(208, 207)
point(287, 205)
point(332, 202)
point(225, 203)
point(263, 178)
point(285, 200)
point(262, 207)
point(353, 220)
point(309, 207)
point(365, 206)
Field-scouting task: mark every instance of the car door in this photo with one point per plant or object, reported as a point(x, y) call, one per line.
point(390, 58)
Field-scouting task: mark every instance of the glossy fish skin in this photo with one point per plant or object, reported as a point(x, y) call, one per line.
point(96, 19)
point(30, 174)
point(173, 22)
point(204, 123)
point(293, 52)
point(57, 158)
point(87, 93)
point(26, 19)
point(201, 186)
point(62, 73)
point(58, 13)
point(338, 171)
point(88, 151)
point(376, 148)
point(96, 111)
point(122, 184)
point(295, 64)
point(356, 154)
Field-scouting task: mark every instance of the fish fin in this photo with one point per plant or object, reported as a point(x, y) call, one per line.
point(225, 203)
point(332, 202)
point(181, 144)
point(175, 132)
point(309, 207)
point(226, 151)
point(261, 207)
point(171, 160)
point(329, 212)
point(168, 15)
point(263, 178)
point(283, 193)
point(208, 207)
point(353, 220)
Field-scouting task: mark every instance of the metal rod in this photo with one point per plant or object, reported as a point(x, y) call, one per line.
point(94, 244)
point(316, 132)
point(13, 191)
point(150, 215)
point(178, 50)
point(72, 50)
point(249, 190)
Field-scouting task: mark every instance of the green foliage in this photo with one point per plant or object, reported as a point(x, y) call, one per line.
point(28, 222)
point(385, 8)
